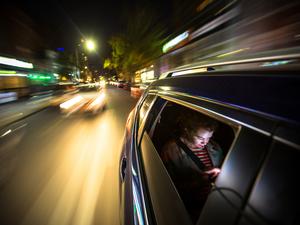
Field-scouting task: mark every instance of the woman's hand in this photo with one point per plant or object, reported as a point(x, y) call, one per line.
point(213, 173)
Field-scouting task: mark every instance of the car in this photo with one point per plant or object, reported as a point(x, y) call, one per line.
point(123, 84)
point(135, 90)
point(258, 115)
point(83, 103)
point(86, 87)
point(95, 104)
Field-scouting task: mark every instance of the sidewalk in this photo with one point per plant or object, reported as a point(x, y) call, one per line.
point(13, 111)
point(17, 110)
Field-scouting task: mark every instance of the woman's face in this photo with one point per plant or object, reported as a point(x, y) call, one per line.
point(200, 138)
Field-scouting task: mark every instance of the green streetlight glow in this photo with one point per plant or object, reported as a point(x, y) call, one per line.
point(39, 77)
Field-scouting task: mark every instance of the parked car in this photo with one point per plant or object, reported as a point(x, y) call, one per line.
point(85, 87)
point(136, 91)
point(258, 116)
point(123, 84)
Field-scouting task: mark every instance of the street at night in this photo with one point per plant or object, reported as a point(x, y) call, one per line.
point(149, 112)
point(66, 170)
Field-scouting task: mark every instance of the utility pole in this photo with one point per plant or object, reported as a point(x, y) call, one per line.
point(77, 62)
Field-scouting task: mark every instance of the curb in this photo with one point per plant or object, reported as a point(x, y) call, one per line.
point(4, 125)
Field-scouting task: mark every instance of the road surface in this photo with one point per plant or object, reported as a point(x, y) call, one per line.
point(58, 170)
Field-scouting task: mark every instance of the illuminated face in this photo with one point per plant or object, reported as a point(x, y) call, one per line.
point(201, 138)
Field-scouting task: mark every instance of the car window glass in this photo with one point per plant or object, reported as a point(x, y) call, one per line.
point(192, 150)
point(275, 196)
point(164, 197)
point(152, 117)
point(145, 107)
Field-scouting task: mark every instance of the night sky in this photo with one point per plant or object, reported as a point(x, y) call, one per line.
point(69, 21)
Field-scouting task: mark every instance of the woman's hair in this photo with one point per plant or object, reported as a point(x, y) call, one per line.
point(190, 121)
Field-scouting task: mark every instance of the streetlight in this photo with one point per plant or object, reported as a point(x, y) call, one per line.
point(90, 45)
point(86, 44)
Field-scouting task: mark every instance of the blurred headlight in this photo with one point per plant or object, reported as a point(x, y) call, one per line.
point(99, 100)
point(71, 102)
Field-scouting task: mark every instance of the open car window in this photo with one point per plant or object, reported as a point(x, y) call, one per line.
point(192, 183)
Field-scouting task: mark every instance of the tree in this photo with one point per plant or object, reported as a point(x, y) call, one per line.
point(118, 46)
point(138, 45)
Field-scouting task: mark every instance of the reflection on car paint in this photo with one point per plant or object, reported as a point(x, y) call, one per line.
point(138, 215)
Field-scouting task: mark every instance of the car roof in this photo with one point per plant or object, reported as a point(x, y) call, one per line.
point(275, 93)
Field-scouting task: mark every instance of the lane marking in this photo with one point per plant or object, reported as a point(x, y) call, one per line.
point(6, 133)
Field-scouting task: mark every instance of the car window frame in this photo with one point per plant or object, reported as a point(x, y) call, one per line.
point(140, 123)
point(219, 117)
point(146, 205)
point(142, 130)
point(146, 145)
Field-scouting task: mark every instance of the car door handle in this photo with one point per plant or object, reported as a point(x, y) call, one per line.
point(123, 168)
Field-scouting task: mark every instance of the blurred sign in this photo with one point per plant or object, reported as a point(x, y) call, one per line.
point(60, 49)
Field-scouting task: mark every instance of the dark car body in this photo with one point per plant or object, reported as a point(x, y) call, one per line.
point(257, 183)
point(122, 84)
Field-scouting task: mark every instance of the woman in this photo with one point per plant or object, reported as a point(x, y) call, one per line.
point(193, 159)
